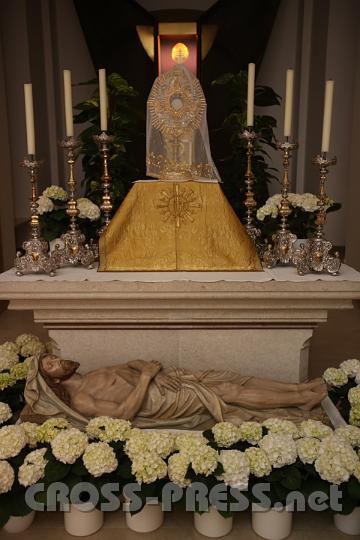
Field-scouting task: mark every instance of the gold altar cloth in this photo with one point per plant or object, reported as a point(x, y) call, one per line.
point(165, 226)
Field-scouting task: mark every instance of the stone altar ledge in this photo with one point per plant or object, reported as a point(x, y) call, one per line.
point(258, 323)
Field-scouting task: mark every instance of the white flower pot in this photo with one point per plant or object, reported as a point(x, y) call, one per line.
point(150, 518)
point(349, 524)
point(83, 519)
point(212, 524)
point(19, 524)
point(273, 523)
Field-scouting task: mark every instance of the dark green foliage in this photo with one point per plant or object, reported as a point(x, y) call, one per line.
point(232, 168)
point(124, 117)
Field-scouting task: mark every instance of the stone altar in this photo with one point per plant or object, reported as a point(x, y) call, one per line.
point(259, 322)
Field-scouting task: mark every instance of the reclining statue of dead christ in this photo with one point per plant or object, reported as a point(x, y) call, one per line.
point(157, 397)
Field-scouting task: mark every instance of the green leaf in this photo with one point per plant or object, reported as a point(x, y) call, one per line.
point(354, 488)
point(56, 471)
point(292, 479)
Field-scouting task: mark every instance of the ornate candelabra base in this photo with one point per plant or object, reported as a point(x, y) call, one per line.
point(281, 252)
point(36, 259)
point(314, 256)
point(72, 250)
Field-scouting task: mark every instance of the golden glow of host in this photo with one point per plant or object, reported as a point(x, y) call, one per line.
point(180, 53)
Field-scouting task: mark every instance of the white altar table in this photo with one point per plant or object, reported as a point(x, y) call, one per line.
point(258, 323)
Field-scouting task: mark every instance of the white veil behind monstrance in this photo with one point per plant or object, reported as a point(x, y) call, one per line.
point(177, 137)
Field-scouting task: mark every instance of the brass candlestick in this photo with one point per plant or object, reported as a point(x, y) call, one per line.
point(250, 203)
point(282, 250)
point(104, 142)
point(313, 255)
point(72, 249)
point(36, 258)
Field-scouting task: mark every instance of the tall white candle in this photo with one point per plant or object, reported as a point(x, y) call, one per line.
point(288, 101)
point(329, 93)
point(29, 115)
point(250, 95)
point(103, 100)
point(68, 104)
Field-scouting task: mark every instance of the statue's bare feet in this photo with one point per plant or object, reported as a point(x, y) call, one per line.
point(313, 399)
point(312, 385)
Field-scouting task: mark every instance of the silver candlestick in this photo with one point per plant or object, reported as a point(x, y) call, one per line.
point(72, 249)
point(36, 258)
point(249, 135)
point(104, 142)
point(314, 254)
point(283, 240)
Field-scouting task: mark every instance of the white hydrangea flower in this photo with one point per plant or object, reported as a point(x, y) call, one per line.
point(335, 377)
point(69, 445)
point(88, 210)
point(348, 434)
point(308, 449)
point(278, 425)
point(354, 396)
point(334, 448)
point(29, 475)
point(354, 417)
point(50, 428)
point(9, 347)
point(37, 457)
point(161, 443)
point(99, 458)
point(251, 432)
point(33, 468)
point(31, 430)
point(236, 469)
point(30, 345)
point(280, 449)
point(205, 460)
point(314, 428)
point(259, 462)
point(178, 465)
point(20, 370)
point(190, 443)
point(331, 469)
point(12, 441)
point(108, 429)
point(307, 201)
point(351, 367)
point(56, 192)
point(148, 467)
point(7, 477)
point(136, 443)
point(5, 412)
point(45, 205)
point(226, 434)
point(8, 359)
point(6, 380)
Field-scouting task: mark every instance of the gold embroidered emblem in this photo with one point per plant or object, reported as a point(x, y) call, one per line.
point(178, 204)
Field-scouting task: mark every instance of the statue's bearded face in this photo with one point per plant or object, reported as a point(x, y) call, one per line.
point(57, 368)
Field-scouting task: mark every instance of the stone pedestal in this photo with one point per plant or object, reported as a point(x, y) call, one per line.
point(260, 326)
